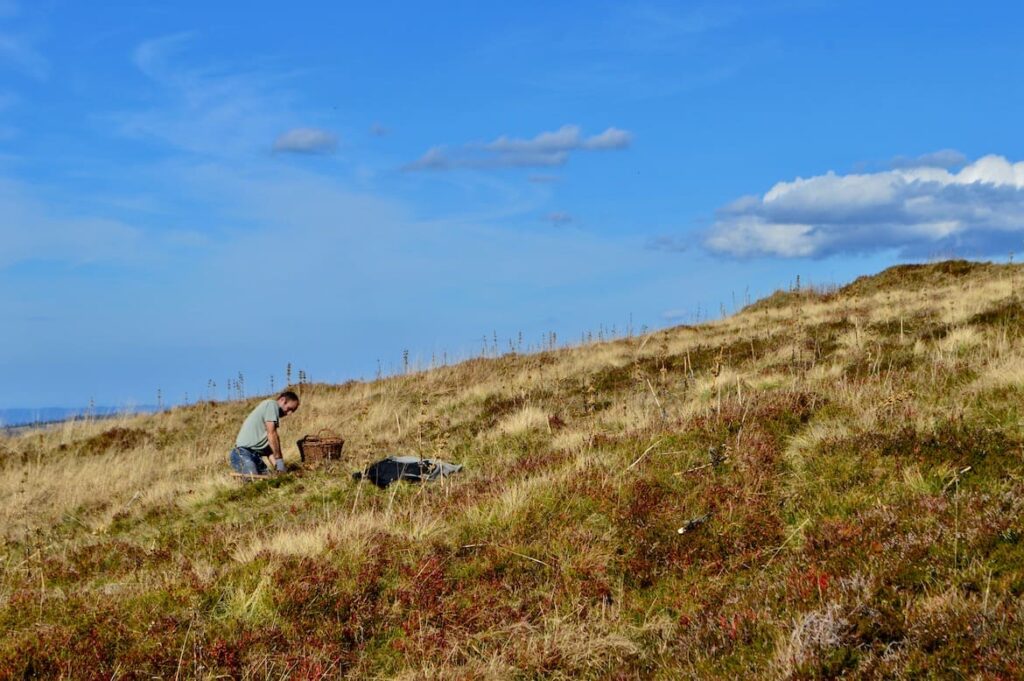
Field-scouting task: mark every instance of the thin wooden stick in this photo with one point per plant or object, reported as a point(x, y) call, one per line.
point(956, 478)
point(783, 544)
point(181, 655)
point(664, 415)
point(646, 452)
point(514, 553)
point(701, 467)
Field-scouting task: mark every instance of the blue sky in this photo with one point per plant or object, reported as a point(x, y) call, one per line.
point(192, 190)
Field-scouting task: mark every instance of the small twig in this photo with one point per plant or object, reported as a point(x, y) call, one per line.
point(646, 452)
point(694, 469)
point(523, 555)
point(359, 489)
point(988, 588)
point(181, 655)
point(783, 544)
point(77, 520)
point(664, 414)
point(702, 466)
point(514, 553)
point(956, 478)
point(131, 501)
point(251, 476)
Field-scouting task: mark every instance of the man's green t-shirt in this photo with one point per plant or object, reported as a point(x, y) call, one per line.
point(253, 434)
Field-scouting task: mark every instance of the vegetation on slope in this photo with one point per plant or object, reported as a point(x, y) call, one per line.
point(826, 485)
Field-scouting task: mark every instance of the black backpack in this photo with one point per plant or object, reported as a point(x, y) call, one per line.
point(408, 468)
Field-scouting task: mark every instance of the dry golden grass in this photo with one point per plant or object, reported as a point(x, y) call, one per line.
point(43, 490)
point(526, 419)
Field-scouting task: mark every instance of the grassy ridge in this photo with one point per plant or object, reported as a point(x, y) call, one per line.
point(828, 483)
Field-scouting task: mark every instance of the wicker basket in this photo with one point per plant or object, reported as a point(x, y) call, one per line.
point(324, 446)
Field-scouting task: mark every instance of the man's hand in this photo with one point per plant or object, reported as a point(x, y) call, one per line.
point(276, 457)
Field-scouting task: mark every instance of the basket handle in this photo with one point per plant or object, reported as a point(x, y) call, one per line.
point(330, 433)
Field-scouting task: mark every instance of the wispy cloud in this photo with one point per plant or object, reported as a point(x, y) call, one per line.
point(547, 149)
point(559, 217)
point(676, 315)
point(915, 210)
point(153, 56)
point(671, 244)
point(19, 52)
point(30, 230)
point(7, 101)
point(306, 141)
point(203, 108)
point(639, 50)
point(443, 158)
point(204, 114)
point(566, 138)
point(653, 27)
point(943, 158)
point(379, 130)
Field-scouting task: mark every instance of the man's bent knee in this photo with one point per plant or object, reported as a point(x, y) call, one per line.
point(245, 462)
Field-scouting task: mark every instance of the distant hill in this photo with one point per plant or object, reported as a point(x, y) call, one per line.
point(40, 415)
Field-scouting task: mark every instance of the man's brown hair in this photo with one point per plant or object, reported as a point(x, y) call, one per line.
point(289, 395)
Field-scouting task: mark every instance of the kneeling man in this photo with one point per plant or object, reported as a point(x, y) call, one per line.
point(258, 436)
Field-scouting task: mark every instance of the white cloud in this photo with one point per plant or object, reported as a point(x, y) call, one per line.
point(546, 150)
point(916, 210)
point(306, 141)
point(565, 138)
point(612, 138)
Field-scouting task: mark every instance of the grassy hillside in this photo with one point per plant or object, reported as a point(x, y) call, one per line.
point(821, 485)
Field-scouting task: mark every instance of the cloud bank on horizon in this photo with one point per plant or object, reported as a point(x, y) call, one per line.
point(917, 209)
point(546, 150)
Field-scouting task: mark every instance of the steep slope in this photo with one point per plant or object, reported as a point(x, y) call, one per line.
point(823, 484)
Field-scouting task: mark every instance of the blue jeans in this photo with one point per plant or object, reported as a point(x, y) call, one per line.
point(248, 461)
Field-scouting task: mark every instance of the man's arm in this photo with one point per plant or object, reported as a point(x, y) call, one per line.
point(275, 445)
